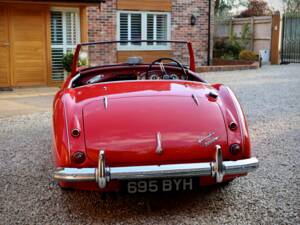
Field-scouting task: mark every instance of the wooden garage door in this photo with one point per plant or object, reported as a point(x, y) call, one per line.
point(4, 49)
point(28, 39)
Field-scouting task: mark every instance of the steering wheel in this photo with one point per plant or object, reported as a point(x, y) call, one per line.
point(162, 67)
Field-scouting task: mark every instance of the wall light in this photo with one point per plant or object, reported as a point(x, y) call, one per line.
point(193, 20)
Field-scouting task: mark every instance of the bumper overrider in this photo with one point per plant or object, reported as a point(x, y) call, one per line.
point(104, 174)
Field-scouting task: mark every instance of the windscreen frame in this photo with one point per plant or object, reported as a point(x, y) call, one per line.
point(79, 46)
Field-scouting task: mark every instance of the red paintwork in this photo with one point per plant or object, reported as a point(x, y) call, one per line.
point(136, 111)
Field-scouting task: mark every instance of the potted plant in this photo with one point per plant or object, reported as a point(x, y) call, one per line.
point(67, 61)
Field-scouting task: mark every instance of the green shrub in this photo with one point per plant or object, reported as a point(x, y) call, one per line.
point(219, 44)
point(67, 61)
point(228, 57)
point(248, 55)
point(233, 48)
point(227, 48)
point(245, 36)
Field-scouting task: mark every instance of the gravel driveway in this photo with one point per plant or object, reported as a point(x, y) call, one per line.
point(271, 195)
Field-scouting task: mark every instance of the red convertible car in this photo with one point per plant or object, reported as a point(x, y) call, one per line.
point(141, 126)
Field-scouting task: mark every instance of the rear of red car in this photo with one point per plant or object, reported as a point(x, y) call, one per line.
point(164, 130)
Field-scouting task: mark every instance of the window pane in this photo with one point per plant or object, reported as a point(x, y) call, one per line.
point(57, 66)
point(56, 28)
point(162, 28)
point(136, 28)
point(71, 25)
point(143, 25)
point(123, 27)
point(65, 34)
point(150, 28)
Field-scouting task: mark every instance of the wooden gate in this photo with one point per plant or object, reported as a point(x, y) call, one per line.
point(290, 45)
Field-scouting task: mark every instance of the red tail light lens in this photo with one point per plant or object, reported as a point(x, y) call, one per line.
point(232, 126)
point(235, 149)
point(75, 132)
point(78, 157)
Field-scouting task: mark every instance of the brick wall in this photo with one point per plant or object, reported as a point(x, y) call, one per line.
point(197, 34)
point(102, 26)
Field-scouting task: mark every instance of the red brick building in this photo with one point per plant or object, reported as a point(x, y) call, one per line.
point(35, 34)
point(152, 19)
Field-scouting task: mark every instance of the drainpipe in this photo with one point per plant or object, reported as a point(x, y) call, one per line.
point(209, 35)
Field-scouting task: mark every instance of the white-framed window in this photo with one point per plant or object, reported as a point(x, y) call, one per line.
point(65, 35)
point(136, 25)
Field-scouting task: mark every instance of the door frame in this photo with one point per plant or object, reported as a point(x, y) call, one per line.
point(47, 8)
point(9, 17)
point(9, 68)
point(63, 10)
point(83, 23)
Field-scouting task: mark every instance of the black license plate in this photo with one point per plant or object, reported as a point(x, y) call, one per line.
point(161, 185)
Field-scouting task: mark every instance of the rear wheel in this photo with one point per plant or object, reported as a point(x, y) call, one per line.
point(63, 186)
point(225, 183)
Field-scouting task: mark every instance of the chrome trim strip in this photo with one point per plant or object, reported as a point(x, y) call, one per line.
point(217, 166)
point(67, 127)
point(195, 99)
point(206, 137)
point(75, 175)
point(162, 171)
point(240, 166)
point(159, 149)
point(72, 80)
point(103, 174)
point(155, 171)
point(105, 101)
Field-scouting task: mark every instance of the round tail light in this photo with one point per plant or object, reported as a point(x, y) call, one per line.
point(75, 132)
point(78, 157)
point(232, 126)
point(235, 149)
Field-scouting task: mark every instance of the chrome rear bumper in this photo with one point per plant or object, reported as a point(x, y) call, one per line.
point(103, 174)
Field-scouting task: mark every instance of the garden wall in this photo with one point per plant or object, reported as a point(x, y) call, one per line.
point(261, 28)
